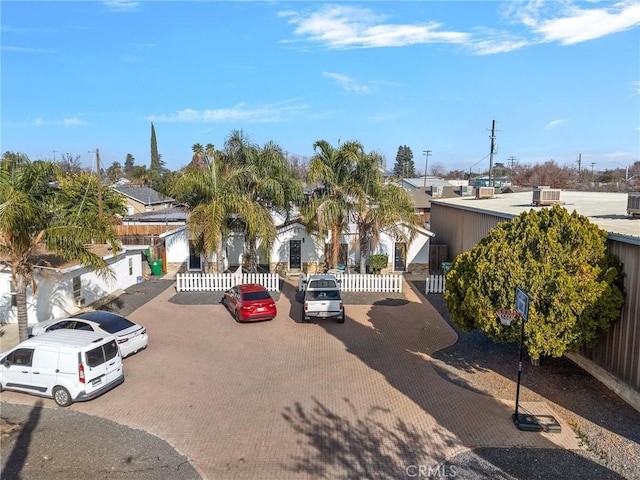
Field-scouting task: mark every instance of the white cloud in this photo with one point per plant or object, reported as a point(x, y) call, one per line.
point(554, 124)
point(122, 5)
point(261, 114)
point(568, 24)
point(348, 26)
point(72, 122)
point(9, 48)
point(347, 83)
point(345, 26)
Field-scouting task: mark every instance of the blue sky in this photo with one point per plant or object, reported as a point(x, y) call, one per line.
point(560, 78)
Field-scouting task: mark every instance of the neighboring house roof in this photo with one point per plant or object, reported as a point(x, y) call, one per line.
point(422, 196)
point(144, 195)
point(171, 214)
point(45, 259)
point(420, 182)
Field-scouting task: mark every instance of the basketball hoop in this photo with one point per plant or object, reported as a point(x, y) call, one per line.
point(506, 316)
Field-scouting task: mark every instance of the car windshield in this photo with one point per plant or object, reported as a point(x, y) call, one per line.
point(115, 324)
point(249, 296)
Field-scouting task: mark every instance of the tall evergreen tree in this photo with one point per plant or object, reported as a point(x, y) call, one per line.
point(404, 166)
point(156, 162)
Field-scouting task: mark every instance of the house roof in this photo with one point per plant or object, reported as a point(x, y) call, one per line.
point(171, 214)
point(422, 196)
point(44, 259)
point(605, 209)
point(421, 181)
point(144, 195)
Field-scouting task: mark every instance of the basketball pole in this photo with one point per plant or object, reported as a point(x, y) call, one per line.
point(515, 415)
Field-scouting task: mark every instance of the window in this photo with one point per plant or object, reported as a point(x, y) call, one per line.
point(12, 292)
point(95, 357)
point(21, 356)
point(130, 266)
point(77, 287)
point(110, 350)
point(83, 326)
point(61, 325)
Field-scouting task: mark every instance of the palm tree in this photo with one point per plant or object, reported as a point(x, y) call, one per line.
point(213, 191)
point(387, 207)
point(272, 188)
point(339, 193)
point(28, 226)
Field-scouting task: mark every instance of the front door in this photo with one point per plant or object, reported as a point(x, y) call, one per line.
point(295, 254)
point(400, 257)
point(195, 262)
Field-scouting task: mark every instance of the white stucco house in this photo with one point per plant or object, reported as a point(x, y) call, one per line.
point(65, 288)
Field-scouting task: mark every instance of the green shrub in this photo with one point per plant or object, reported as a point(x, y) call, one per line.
point(377, 263)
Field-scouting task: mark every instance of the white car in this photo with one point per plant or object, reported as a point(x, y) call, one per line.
point(131, 336)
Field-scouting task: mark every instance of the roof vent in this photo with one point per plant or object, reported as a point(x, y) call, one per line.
point(485, 192)
point(633, 204)
point(544, 196)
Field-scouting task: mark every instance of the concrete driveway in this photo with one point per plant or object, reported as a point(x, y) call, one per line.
point(280, 399)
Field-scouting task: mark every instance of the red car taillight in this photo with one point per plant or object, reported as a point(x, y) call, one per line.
point(81, 373)
point(122, 339)
point(306, 306)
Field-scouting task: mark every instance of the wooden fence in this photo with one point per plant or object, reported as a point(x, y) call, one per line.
point(220, 282)
point(435, 284)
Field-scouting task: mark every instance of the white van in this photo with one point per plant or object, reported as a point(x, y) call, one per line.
point(66, 365)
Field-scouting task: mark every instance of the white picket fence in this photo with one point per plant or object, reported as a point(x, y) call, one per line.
point(219, 282)
point(360, 282)
point(435, 284)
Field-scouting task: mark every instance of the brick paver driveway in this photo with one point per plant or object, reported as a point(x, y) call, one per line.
point(281, 399)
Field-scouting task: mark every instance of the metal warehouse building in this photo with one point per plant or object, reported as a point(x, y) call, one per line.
point(462, 222)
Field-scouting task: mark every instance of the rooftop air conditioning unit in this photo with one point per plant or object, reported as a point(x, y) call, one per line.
point(79, 301)
point(633, 204)
point(436, 190)
point(543, 196)
point(485, 192)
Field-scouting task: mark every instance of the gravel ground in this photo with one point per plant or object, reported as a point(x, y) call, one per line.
point(71, 445)
point(608, 427)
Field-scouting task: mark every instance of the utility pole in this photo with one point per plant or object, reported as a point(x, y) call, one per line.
point(579, 163)
point(426, 154)
point(492, 182)
point(592, 165)
point(512, 162)
point(54, 155)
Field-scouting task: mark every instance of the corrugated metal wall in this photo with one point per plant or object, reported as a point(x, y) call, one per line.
point(618, 352)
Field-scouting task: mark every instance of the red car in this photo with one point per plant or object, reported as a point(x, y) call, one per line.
point(250, 302)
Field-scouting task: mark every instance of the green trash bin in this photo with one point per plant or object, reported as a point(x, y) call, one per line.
point(156, 267)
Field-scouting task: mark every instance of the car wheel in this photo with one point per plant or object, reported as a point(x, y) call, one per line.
point(341, 318)
point(62, 397)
